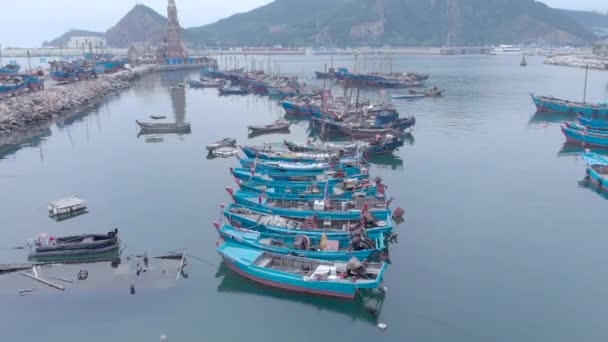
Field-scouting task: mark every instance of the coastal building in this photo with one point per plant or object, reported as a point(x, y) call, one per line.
point(142, 53)
point(80, 42)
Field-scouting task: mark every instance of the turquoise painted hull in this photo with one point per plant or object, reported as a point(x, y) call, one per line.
point(599, 125)
point(289, 179)
point(552, 105)
point(310, 169)
point(241, 260)
point(299, 192)
point(252, 239)
point(253, 201)
point(593, 161)
point(243, 221)
point(579, 137)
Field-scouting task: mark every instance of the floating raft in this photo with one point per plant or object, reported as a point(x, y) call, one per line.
point(67, 206)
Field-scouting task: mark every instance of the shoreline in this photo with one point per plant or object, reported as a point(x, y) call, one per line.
point(27, 115)
point(578, 61)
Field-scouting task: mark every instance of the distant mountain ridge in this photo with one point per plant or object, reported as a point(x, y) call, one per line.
point(370, 22)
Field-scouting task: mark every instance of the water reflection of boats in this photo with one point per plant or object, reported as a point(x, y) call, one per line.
point(586, 183)
point(386, 160)
point(543, 118)
point(363, 309)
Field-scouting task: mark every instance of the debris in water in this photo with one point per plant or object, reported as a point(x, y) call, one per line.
point(24, 291)
point(132, 288)
point(382, 326)
point(164, 338)
point(83, 275)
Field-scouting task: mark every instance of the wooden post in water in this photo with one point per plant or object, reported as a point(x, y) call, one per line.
point(585, 91)
point(29, 61)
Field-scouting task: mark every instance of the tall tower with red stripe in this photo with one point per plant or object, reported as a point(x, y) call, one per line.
point(174, 48)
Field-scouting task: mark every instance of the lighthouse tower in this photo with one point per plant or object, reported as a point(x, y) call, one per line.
point(173, 48)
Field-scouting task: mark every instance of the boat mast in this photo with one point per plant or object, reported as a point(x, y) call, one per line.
point(585, 90)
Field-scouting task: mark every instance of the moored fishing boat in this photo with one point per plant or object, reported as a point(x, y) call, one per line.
point(264, 221)
point(45, 246)
point(433, 92)
point(597, 169)
point(233, 91)
point(359, 244)
point(583, 137)
point(265, 176)
point(323, 208)
point(304, 275)
point(10, 69)
point(346, 166)
point(346, 189)
point(279, 125)
point(183, 127)
point(545, 104)
point(600, 125)
point(266, 152)
point(226, 142)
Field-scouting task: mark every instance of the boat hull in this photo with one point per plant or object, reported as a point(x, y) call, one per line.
point(548, 105)
point(579, 137)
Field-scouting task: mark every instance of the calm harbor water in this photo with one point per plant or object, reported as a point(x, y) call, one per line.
point(500, 242)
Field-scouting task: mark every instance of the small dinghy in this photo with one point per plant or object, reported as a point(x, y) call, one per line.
point(408, 96)
point(304, 275)
point(164, 127)
point(233, 91)
point(279, 125)
point(224, 152)
point(226, 142)
point(157, 117)
point(433, 92)
point(45, 246)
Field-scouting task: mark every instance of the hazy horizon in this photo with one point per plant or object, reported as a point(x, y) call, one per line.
point(57, 17)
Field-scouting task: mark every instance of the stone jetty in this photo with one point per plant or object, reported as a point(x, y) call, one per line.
point(578, 61)
point(28, 110)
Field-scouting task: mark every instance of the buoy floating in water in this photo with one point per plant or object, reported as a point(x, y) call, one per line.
point(382, 326)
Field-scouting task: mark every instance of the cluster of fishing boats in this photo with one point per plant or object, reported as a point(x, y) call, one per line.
point(375, 79)
point(307, 218)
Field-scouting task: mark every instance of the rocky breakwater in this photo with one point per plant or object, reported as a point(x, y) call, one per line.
point(28, 112)
point(578, 61)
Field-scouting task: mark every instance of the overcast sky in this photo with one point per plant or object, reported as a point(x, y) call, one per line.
point(30, 22)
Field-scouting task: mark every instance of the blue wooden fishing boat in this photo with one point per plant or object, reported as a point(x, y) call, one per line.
point(586, 130)
point(10, 69)
point(597, 169)
point(545, 104)
point(347, 166)
point(600, 125)
point(12, 84)
point(310, 190)
point(295, 177)
point(304, 275)
point(278, 153)
point(577, 136)
point(233, 91)
point(323, 208)
point(360, 245)
point(264, 221)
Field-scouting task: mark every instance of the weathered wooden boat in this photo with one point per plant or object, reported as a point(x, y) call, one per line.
point(582, 137)
point(330, 74)
point(268, 153)
point(15, 83)
point(183, 127)
point(360, 245)
point(86, 244)
point(279, 125)
point(158, 117)
point(346, 189)
point(323, 208)
point(310, 276)
point(233, 91)
point(295, 177)
point(356, 132)
point(224, 152)
point(10, 69)
point(597, 169)
point(600, 125)
point(408, 96)
point(206, 83)
point(433, 92)
point(226, 142)
point(345, 165)
point(347, 147)
point(264, 221)
point(588, 131)
point(545, 104)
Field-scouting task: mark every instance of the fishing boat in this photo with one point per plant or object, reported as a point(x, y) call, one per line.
point(10, 69)
point(597, 169)
point(304, 207)
point(545, 104)
point(279, 125)
point(158, 117)
point(345, 166)
point(296, 177)
point(183, 127)
point(87, 244)
point(226, 142)
point(264, 221)
point(600, 125)
point(408, 96)
point(233, 91)
point(346, 189)
point(523, 62)
point(360, 244)
point(433, 92)
point(304, 275)
point(588, 131)
point(361, 133)
point(224, 152)
point(583, 137)
point(267, 153)
point(330, 74)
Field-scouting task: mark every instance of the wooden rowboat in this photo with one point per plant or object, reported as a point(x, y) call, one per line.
point(279, 125)
point(164, 127)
